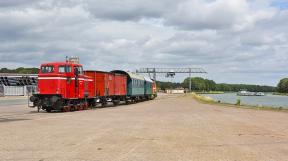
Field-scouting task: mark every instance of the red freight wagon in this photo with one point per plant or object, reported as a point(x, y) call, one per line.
point(108, 85)
point(103, 83)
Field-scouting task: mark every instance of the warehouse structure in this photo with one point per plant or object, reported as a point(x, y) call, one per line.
point(12, 84)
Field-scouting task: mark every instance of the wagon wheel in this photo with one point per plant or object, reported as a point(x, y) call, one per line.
point(48, 109)
point(85, 106)
point(103, 104)
point(116, 103)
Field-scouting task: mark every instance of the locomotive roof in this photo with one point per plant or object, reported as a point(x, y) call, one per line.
point(60, 63)
point(130, 74)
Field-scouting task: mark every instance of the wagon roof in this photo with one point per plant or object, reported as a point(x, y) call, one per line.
point(130, 74)
point(135, 76)
point(148, 79)
point(96, 71)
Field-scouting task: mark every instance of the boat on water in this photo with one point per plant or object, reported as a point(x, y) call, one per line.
point(247, 93)
point(259, 94)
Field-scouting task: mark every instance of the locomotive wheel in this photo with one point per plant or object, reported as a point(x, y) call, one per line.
point(66, 109)
point(48, 109)
point(78, 107)
point(73, 108)
point(81, 107)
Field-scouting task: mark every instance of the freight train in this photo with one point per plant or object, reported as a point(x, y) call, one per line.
point(64, 86)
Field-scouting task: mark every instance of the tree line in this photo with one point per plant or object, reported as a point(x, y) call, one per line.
point(20, 70)
point(201, 84)
point(248, 87)
point(197, 83)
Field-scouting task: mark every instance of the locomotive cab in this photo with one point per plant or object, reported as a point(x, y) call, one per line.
point(58, 84)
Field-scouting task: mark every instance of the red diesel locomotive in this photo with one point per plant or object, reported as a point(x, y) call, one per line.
point(64, 86)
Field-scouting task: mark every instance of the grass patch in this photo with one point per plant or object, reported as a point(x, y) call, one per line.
point(211, 92)
point(202, 98)
point(211, 101)
point(280, 94)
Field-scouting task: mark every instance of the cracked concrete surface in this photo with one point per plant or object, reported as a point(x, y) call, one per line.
point(170, 128)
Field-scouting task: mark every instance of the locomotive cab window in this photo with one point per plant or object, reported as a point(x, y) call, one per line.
point(79, 68)
point(47, 69)
point(64, 69)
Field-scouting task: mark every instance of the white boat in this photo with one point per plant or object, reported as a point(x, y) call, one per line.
point(259, 94)
point(247, 93)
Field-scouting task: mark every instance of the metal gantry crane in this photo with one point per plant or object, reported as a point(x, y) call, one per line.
point(171, 72)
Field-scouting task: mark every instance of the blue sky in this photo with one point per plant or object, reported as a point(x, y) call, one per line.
point(280, 4)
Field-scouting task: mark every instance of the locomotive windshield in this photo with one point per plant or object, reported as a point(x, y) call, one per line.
point(47, 69)
point(64, 69)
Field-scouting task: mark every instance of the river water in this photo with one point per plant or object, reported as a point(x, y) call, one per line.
point(267, 100)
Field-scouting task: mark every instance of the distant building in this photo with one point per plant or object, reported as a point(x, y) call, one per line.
point(175, 91)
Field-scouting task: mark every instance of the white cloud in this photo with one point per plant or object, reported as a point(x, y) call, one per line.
point(230, 39)
point(217, 14)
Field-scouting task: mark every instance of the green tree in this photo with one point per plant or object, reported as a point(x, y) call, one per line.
point(199, 84)
point(20, 70)
point(283, 86)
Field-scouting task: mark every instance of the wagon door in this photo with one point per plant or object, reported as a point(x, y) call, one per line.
point(111, 80)
point(109, 84)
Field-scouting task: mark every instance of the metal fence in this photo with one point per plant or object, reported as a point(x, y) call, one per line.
point(31, 90)
point(1, 91)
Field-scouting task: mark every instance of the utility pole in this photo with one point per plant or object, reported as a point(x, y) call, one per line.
point(190, 83)
point(154, 74)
